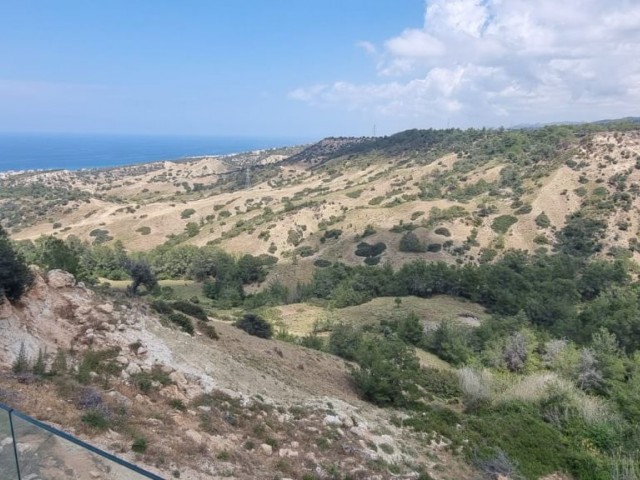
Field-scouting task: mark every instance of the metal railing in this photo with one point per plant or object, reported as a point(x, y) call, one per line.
point(30, 449)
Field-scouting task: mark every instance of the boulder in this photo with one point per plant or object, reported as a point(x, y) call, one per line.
point(60, 279)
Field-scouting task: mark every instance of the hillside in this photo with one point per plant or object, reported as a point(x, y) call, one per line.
point(237, 406)
point(466, 196)
point(471, 297)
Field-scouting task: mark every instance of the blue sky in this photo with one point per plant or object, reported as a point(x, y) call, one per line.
point(315, 67)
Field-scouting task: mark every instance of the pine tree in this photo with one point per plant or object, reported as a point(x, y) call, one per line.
point(40, 367)
point(21, 364)
point(59, 364)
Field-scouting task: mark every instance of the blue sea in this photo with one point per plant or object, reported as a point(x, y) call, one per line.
point(70, 151)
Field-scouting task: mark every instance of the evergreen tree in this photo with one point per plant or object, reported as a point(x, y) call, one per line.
point(21, 364)
point(15, 276)
point(39, 367)
point(59, 364)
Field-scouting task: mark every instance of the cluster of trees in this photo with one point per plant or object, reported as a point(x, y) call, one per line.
point(562, 294)
point(224, 275)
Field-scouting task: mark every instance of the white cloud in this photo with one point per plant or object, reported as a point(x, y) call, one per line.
point(502, 61)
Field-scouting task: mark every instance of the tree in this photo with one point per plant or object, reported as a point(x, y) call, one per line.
point(15, 276)
point(449, 342)
point(387, 373)
point(255, 325)
point(410, 329)
point(192, 229)
point(56, 254)
point(21, 364)
point(410, 243)
point(141, 274)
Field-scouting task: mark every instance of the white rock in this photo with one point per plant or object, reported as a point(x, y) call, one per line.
point(106, 308)
point(266, 449)
point(332, 420)
point(133, 369)
point(286, 452)
point(194, 436)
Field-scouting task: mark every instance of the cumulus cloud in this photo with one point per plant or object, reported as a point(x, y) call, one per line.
point(490, 62)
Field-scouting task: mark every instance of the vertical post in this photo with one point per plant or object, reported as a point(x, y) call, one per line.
point(15, 443)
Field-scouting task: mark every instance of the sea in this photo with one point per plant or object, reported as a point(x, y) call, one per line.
point(78, 151)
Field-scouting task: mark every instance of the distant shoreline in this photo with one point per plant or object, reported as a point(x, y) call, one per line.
point(21, 153)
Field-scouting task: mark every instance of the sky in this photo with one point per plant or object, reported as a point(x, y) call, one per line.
point(313, 68)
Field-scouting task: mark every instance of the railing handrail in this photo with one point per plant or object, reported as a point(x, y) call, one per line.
point(59, 433)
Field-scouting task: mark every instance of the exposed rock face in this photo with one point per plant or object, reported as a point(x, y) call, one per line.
point(60, 279)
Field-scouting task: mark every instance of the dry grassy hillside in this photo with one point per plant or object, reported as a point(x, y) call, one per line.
point(300, 209)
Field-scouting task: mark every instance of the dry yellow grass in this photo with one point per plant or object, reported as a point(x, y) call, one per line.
point(300, 318)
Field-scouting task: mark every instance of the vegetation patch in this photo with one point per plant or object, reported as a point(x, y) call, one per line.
point(503, 223)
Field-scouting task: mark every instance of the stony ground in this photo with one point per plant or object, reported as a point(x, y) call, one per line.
point(236, 407)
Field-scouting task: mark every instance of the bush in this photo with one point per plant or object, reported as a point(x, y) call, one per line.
point(388, 368)
point(543, 221)
point(372, 261)
point(139, 445)
point(143, 230)
point(363, 249)
point(187, 213)
point(344, 341)
point(442, 231)
point(368, 230)
point(503, 223)
point(434, 247)
point(322, 263)
point(161, 307)
point(329, 234)
point(182, 321)
point(410, 243)
point(255, 325)
point(209, 330)
point(190, 309)
point(96, 418)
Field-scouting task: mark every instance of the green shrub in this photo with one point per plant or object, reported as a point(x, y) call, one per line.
point(209, 330)
point(354, 193)
point(387, 372)
point(376, 201)
point(363, 249)
point(255, 325)
point(96, 418)
point(329, 234)
point(182, 321)
point(410, 243)
point(306, 251)
point(543, 221)
point(189, 308)
point(503, 223)
point(434, 247)
point(344, 341)
point(187, 213)
point(524, 209)
point(139, 445)
point(442, 231)
point(161, 307)
point(371, 261)
point(143, 230)
point(368, 230)
point(322, 263)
